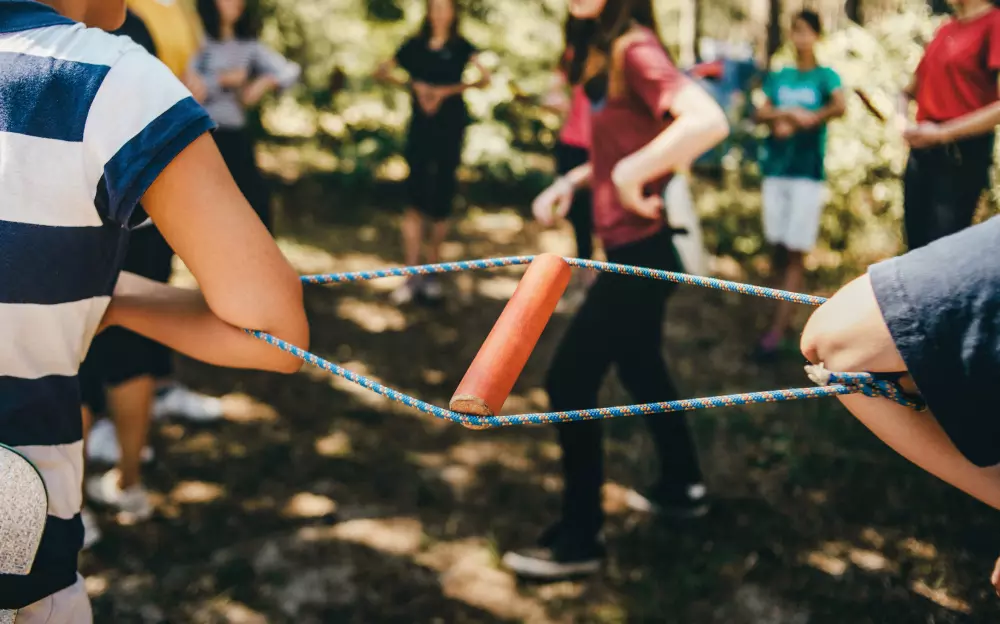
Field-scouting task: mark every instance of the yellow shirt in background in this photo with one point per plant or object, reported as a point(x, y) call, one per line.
point(175, 30)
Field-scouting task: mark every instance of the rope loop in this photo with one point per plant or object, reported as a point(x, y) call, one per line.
point(828, 383)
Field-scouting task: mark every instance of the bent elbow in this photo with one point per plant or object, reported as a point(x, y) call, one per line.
point(720, 127)
point(293, 323)
point(716, 126)
point(282, 361)
point(288, 322)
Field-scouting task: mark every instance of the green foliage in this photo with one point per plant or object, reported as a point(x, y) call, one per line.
point(363, 127)
point(383, 10)
point(865, 158)
point(364, 124)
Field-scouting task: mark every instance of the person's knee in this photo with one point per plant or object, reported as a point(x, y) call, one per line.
point(812, 343)
point(847, 333)
point(828, 339)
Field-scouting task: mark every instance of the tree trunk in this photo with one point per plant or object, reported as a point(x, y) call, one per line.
point(939, 7)
point(698, 13)
point(773, 29)
point(688, 27)
point(852, 8)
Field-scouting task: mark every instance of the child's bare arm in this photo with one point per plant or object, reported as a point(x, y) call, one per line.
point(181, 319)
point(849, 334)
point(244, 278)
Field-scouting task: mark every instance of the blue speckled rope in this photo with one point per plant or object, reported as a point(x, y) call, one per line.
point(836, 383)
point(607, 267)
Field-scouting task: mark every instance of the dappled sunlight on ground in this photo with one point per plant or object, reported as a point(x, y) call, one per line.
point(196, 492)
point(468, 572)
point(225, 610)
point(396, 536)
point(827, 563)
point(372, 317)
point(308, 505)
point(315, 500)
point(941, 597)
point(499, 288)
point(239, 407)
point(337, 444)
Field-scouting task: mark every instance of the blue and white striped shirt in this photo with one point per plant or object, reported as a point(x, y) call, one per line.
point(88, 120)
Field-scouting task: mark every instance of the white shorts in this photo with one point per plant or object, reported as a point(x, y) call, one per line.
point(67, 606)
point(792, 207)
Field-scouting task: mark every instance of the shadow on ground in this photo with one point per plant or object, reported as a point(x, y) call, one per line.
point(317, 501)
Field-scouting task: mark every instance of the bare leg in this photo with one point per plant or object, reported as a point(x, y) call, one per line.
point(413, 234)
point(779, 263)
point(88, 421)
point(439, 231)
point(848, 334)
point(130, 405)
point(794, 278)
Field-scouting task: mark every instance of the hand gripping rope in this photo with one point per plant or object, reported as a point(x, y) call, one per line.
point(490, 378)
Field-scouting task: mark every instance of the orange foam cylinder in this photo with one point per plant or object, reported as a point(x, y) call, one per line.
point(502, 357)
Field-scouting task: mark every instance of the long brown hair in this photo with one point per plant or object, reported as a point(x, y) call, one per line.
point(596, 36)
point(426, 31)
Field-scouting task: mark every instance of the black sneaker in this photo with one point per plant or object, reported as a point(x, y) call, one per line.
point(559, 556)
point(671, 501)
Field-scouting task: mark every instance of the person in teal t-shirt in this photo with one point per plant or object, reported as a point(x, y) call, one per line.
point(800, 102)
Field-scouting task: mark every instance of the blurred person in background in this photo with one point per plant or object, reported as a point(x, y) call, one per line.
point(573, 145)
point(648, 121)
point(800, 102)
point(232, 72)
point(951, 144)
point(435, 58)
point(125, 375)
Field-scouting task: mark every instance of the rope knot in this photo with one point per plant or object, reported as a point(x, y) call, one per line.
point(885, 386)
point(818, 374)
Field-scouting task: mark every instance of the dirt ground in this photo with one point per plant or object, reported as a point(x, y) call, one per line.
point(318, 501)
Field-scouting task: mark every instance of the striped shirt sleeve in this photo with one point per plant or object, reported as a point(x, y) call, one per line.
point(142, 117)
point(270, 63)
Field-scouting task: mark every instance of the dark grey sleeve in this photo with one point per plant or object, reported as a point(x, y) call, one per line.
point(941, 304)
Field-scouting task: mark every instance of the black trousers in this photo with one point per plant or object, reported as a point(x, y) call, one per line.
point(620, 323)
point(942, 188)
point(569, 157)
point(118, 355)
point(237, 149)
point(433, 154)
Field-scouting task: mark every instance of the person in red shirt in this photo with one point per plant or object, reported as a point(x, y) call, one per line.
point(574, 141)
point(648, 120)
point(956, 92)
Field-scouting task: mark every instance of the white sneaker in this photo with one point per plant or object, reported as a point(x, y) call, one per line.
point(102, 444)
point(179, 401)
point(405, 293)
point(432, 290)
point(91, 531)
point(132, 503)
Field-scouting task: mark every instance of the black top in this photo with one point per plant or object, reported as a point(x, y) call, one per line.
point(437, 67)
point(942, 306)
point(441, 67)
point(136, 30)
